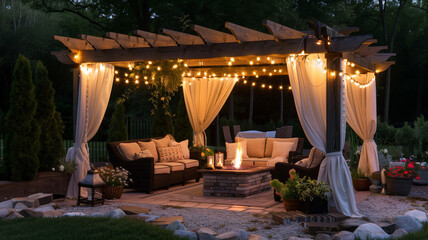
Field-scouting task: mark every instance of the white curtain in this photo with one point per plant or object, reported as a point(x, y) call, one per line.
point(308, 84)
point(204, 99)
point(96, 81)
point(361, 116)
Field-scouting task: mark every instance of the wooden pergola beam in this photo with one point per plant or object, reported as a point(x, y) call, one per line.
point(156, 40)
point(128, 41)
point(213, 36)
point(380, 57)
point(183, 38)
point(282, 32)
point(101, 43)
point(244, 34)
point(370, 51)
point(343, 31)
point(74, 43)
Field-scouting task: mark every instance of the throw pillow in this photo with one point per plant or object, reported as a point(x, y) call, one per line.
point(163, 142)
point(281, 149)
point(270, 141)
point(170, 154)
point(128, 150)
point(151, 146)
point(184, 147)
point(255, 146)
point(232, 147)
point(317, 156)
point(143, 154)
point(303, 163)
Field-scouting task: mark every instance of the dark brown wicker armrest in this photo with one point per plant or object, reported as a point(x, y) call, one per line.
point(297, 158)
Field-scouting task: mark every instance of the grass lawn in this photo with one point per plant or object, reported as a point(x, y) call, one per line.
point(423, 234)
point(81, 228)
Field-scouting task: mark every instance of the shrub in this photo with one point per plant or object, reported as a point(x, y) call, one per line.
point(182, 128)
point(117, 129)
point(52, 146)
point(22, 131)
point(385, 133)
point(405, 137)
point(162, 123)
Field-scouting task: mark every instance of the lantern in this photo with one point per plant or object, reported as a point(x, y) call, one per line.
point(92, 181)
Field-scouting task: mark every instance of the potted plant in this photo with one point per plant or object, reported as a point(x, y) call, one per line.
point(201, 153)
point(302, 194)
point(115, 179)
point(360, 181)
point(399, 179)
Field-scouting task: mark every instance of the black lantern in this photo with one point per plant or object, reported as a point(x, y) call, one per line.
point(92, 181)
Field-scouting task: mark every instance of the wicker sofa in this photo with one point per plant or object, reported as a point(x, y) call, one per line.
point(148, 175)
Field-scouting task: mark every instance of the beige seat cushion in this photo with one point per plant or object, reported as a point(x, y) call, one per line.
point(189, 163)
point(174, 166)
point(151, 146)
point(281, 149)
point(255, 146)
point(303, 163)
point(163, 142)
point(170, 154)
point(272, 161)
point(269, 144)
point(162, 169)
point(128, 150)
point(316, 157)
point(232, 147)
point(184, 147)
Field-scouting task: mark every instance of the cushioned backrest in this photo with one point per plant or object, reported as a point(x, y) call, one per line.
point(315, 157)
point(151, 146)
point(269, 144)
point(129, 150)
point(164, 142)
point(114, 152)
point(255, 146)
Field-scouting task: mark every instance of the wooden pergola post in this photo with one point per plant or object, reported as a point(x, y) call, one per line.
point(333, 101)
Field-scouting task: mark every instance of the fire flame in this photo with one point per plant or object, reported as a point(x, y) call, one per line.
point(238, 159)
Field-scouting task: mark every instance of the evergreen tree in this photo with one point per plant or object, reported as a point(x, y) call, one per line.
point(22, 130)
point(182, 128)
point(162, 123)
point(117, 129)
point(52, 147)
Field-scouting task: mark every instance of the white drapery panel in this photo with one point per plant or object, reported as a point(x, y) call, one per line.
point(96, 81)
point(204, 98)
point(308, 84)
point(361, 116)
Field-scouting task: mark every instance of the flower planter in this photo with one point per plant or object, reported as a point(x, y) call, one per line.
point(293, 204)
point(361, 184)
point(111, 192)
point(317, 205)
point(398, 186)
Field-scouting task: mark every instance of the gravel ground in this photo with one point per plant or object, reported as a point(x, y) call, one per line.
point(376, 207)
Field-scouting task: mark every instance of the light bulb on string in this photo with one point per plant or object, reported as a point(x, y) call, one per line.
point(126, 81)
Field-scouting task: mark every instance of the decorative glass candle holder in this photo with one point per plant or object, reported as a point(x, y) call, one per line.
point(219, 157)
point(210, 162)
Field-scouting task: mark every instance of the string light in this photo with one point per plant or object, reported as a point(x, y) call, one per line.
point(117, 79)
point(251, 62)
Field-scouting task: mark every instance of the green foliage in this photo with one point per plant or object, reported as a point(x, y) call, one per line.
point(162, 123)
point(67, 167)
point(421, 138)
point(51, 143)
point(182, 128)
point(89, 228)
point(117, 129)
point(357, 174)
point(385, 133)
point(405, 137)
point(354, 142)
point(22, 130)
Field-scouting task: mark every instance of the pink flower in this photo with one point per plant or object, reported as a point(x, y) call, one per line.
point(418, 178)
point(292, 173)
point(411, 165)
point(389, 174)
point(406, 172)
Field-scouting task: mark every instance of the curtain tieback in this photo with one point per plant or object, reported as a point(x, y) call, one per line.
point(369, 140)
point(333, 154)
point(79, 144)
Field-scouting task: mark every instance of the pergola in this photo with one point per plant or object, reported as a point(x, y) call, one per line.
point(246, 52)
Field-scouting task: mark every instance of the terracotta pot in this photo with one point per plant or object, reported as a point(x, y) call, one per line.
point(317, 205)
point(361, 184)
point(293, 204)
point(398, 186)
point(111, 192)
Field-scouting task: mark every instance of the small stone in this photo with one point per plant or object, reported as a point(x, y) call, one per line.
point(297, 238)
point(228, 236)
point(53, 213)
point(419, 215)
point(206, 234)
point(370, 231)
point(6, 204)
point(207, 230)
point(256, 237)
point(20, 206)
point(117, 213)
point(242, 235)
point(174, 225)
point(29, 202)
point(30, 213)
point(408, 223)
point(398, 233)
point(148, 217)
point(74, 214)
point(322, 236)
point(5, 211)
point(43, 198)
point(186, 234)
point(133, 210)
point(351, 224)
point(13, 215)
point(387, 226)
point(344, 235)
point(44, 209)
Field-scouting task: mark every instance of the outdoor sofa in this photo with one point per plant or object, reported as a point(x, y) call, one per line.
point(148, 173)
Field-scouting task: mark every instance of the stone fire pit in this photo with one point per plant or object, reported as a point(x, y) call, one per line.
point(231, 182)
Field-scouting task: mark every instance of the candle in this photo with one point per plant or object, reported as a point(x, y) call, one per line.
point(210, 162)
point(219, 160)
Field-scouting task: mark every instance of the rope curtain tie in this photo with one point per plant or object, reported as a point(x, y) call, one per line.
point(79, 144)
point(333, 154)
point(368, 140)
